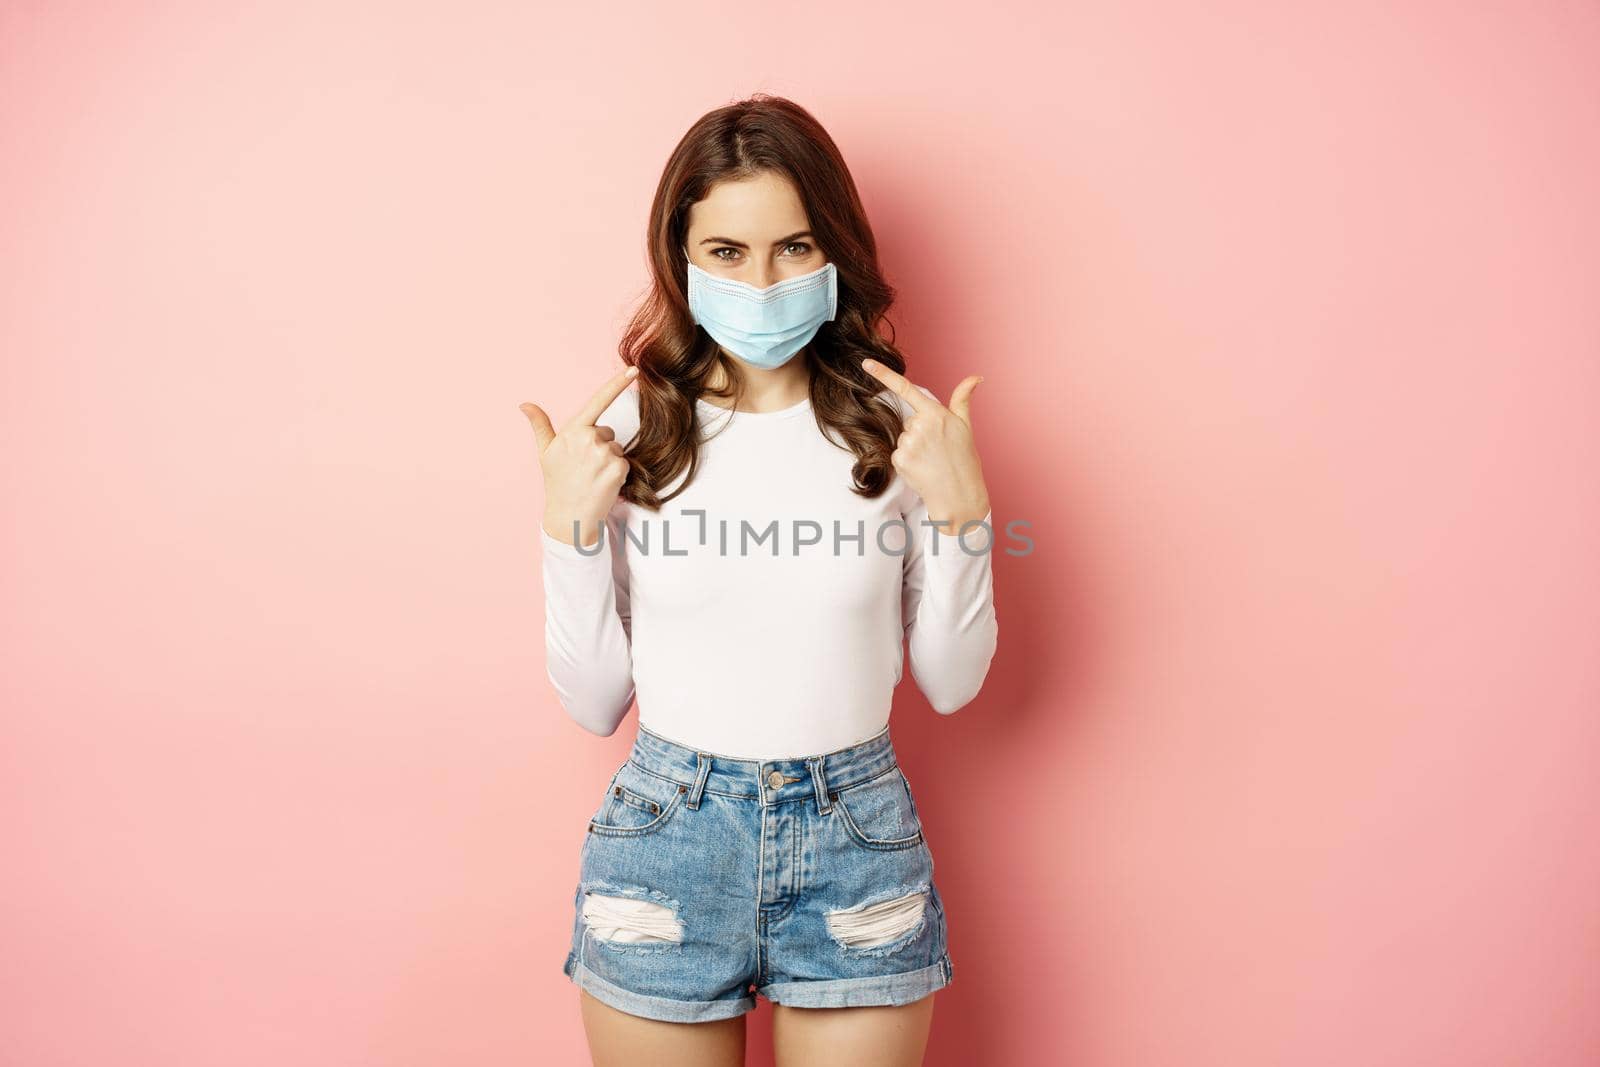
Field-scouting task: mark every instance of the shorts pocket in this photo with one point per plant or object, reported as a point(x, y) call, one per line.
point(879, 814)
point(636, 803)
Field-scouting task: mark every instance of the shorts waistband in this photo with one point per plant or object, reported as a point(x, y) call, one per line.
point(772, 781)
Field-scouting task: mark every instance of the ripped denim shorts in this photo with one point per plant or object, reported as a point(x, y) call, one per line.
point(704, 880)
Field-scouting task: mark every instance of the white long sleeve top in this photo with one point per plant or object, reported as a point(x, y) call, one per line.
point(761, 613)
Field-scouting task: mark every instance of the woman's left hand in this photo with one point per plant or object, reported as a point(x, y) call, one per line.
point(935, 452)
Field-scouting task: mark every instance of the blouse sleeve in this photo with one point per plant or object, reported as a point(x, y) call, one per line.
point(588, 629)
point(947, 605)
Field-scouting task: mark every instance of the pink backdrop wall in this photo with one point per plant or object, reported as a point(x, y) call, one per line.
point(1288, 316)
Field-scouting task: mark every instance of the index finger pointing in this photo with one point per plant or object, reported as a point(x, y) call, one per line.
point(902, 386)
point(603, 397)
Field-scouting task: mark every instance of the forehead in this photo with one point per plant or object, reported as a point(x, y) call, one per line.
point(765, 207)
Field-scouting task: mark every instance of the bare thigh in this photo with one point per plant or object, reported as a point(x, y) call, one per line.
point(852, 1037)
point(617, 1039)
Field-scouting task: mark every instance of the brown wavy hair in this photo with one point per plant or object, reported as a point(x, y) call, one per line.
point(760, 134)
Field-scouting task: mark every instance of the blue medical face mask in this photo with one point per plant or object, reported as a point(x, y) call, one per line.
point(763, 327)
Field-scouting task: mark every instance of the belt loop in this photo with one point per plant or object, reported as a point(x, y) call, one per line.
point(703, 762)
point(820, 779)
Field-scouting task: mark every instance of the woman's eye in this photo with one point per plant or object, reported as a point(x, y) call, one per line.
point(801, 245)
point(717, 252)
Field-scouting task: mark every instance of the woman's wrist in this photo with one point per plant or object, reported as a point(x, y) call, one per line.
point(953, 515)
point(562, 529)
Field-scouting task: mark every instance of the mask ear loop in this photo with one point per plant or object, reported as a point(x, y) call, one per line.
point(689, 269)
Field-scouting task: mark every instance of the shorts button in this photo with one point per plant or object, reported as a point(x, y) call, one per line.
point(775, 779)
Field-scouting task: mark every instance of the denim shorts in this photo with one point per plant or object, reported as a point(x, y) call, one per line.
point(704, 880)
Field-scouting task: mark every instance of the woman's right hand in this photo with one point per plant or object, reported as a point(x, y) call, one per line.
point(583, 464)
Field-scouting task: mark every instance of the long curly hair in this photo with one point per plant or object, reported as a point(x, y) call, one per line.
point(675, 357)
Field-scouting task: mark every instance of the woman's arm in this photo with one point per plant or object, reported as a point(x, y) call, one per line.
point(587, 619)
point(947, 591)
point(947, 606)
point(588, 629)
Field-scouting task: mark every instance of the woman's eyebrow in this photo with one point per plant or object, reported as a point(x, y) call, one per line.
point(741, 244)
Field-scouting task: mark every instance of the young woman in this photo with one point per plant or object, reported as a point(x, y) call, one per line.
point(744, 542)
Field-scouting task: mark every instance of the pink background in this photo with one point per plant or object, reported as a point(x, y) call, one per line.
point(1288, 313)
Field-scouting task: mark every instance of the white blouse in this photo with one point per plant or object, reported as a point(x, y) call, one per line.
point(760, 613)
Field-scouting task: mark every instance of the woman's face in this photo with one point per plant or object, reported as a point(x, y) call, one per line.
point(753, 231)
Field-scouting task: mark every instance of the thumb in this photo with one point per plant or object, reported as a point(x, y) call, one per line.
point(961, 399)
point(543, 432)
